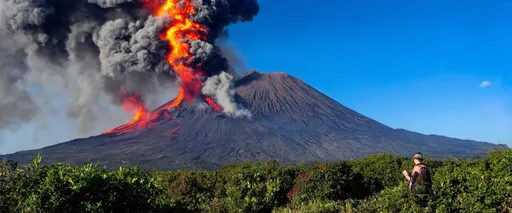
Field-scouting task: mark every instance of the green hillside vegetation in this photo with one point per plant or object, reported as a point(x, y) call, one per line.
point(372, 184)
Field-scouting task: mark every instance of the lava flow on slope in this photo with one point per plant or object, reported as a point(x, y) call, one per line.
point(180, 32)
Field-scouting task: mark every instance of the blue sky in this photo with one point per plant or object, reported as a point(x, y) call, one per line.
point(417, 65)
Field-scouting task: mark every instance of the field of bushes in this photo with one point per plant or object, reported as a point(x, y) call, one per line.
point(372, 184)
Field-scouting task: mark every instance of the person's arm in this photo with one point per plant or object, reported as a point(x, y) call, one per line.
point(410, 178)
point(406, 175)
point(414, 177)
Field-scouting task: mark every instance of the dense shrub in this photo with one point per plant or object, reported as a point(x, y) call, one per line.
point(190, 191)
point(317, 206)
point(393, 199)
point(248, 187)
point(481, 185)
point(381, 170)
point(256, 187)
point(328, 181)
point(65, 188)
point(373, 184)
point(7, 186)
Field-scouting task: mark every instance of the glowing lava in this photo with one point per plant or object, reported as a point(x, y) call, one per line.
point(179, 34)
point(135, 104)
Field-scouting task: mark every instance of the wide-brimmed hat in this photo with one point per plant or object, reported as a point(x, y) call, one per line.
point(418, 156)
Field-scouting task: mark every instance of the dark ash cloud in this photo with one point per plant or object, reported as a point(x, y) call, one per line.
point(92, 49)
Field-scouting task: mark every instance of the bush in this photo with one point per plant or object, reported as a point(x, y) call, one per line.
point(373, 184)
point(249, 187)
point(65, 188)
point(317, 206)
point(328, 181)
point(394, 199)
point(481, 185)
point(189, 191)
point(380, 170)
point(257, 187)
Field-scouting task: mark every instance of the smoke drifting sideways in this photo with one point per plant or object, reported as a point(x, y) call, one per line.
point(90, 50)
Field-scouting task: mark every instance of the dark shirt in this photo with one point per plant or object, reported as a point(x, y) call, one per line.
point(426, 186)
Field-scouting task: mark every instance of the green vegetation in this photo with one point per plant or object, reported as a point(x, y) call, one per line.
point(372, 184)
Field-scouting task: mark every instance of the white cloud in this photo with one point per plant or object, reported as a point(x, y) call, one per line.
point(485, 84)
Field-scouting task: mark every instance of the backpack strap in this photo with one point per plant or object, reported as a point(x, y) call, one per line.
point(421, 171)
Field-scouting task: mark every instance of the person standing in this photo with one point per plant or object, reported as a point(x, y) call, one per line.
point(420, 181)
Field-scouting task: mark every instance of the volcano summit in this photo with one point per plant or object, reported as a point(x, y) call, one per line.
point(290, 121)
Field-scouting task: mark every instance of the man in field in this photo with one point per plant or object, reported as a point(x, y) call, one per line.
point(420, 180)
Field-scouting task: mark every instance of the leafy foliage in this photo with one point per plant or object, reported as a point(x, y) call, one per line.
point(372, 184)
point(256, 187)
point(380, 170)
point(328, 181)
point(65, 188)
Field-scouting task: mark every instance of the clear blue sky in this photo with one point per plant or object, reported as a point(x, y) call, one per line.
point(417, 65)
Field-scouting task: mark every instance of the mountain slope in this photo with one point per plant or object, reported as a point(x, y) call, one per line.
point(291, 122)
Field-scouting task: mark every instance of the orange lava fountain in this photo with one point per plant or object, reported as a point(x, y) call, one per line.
point(135, 104)
point(181, 31)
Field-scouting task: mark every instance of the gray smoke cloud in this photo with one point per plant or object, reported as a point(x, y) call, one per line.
point(142, 52)
point(109, 3)
point(16, 104)
point(75, 46)
point(217, 15)
point(220, 88)
point(90, 50)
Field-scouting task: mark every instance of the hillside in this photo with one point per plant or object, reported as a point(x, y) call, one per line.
point(291, 122)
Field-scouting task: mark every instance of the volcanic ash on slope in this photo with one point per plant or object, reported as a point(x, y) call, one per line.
point(291, 122)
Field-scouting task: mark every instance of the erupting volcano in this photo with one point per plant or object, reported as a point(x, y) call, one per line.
point(180, 33)
point(291, 122)
point(126, 50)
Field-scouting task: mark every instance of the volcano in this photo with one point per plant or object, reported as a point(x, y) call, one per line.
point(291, 122)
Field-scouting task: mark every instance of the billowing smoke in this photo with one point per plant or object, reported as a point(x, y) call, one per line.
point(93, 49)
point(220, 87)
point(88, 49)
point(216, 15)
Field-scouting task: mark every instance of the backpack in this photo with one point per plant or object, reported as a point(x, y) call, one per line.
point(423, 187)
point(425, 175)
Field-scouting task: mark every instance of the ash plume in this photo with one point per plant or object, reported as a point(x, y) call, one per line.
point(220, 87)
point(93, 49)
point(109, 3)
point(216, 15)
